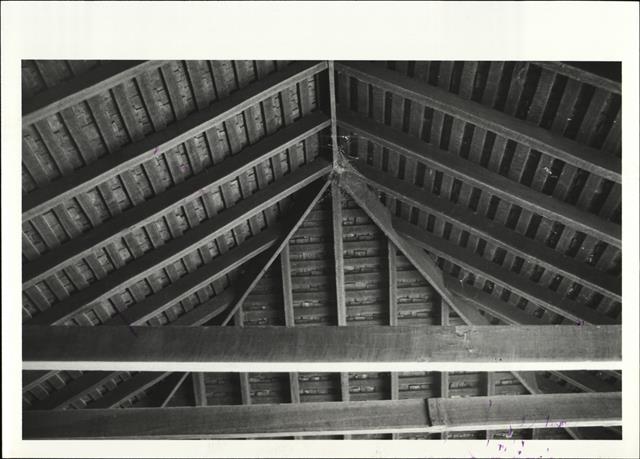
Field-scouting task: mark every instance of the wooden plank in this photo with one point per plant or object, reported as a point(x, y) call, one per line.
point(171, 385)
point(151, 306)
point(160, 142)
point(127, 389)
point(324, 418)
point(581, 75)
point(488, 181)
point(332, 111)
point(525, 133)
point(393, 283)
point(188, 190)
point(31, 379)
point(308, 419)
point(338, 253)
point(287, 288)
point(177, 248)
point(522, 286)
point(74, 390)
point(525, 411)
point(207, 311)
point(513, 242)
point(75, 90)
point(197, 348)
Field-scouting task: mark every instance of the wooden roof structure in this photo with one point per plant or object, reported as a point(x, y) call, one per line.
point(319, 211)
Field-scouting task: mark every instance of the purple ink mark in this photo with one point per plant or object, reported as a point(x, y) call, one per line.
point(510, 433)
point(522, 443)
point(547, 422)
point(501, 447)
point(519, 452)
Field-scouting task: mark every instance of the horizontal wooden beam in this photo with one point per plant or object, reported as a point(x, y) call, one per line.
point(525, 411)
point(202, 348)
point(506, 278)
point(280, 233)
point(177, 248)
point(154, 208)
point(325, 418)
point(523, 132)
point(488, 181)
point(514, 242)
point(71, 92)
point(84, 179)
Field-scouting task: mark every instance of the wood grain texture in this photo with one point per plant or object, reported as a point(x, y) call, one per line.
point(75, 90)
point(368, 201)
point(323, 418)
point(176, 248)
point(579, 313)
point(45, 347)
point(83, 179)
point(528, 134)
point(139, 216)
point(484, 228)
point(525, 411)
point(484, 179)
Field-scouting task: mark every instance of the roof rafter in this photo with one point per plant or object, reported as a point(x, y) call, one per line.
point(368, 201)
point(486, 229)
point(154, 208)
point(177, 248)
point(43, 199)
point(528, 134)
point(207, 311)
point(484, 179)
point(520, 285)
point(104, 77)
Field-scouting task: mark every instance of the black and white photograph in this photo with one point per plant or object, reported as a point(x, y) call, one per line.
point(373, 249)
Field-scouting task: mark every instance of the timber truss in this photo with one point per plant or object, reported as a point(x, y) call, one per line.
point(456, 214)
